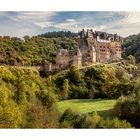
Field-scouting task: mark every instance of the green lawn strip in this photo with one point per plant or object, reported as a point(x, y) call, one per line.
point(102, 106)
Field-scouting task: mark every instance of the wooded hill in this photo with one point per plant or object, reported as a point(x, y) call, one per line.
point(33, 50)
point(131, 46)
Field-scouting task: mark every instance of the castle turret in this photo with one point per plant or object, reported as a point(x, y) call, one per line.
point(77, 58)
point(93, 55)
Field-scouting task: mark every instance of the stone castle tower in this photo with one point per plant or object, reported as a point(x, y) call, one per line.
point(93, 55)
point(77, 58)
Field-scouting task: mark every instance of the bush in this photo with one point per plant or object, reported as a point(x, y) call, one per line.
point(115, 123)
point(70, 119)
point(120, 89)
point(75, 120)
point(128, 108)
point(47, 99)
point(96, 119)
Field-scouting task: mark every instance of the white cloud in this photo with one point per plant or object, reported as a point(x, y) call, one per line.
point(133, 17)
point(36, 15)
point(69, 24)
point(100, 28)
point(24, 23)
point(70, 20)
point(128, 25)
point(41, 19)
point(44, 24)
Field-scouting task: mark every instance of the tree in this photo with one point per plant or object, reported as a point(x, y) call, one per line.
point(128, 108)
point(132, 59)
point(95, 119)
point(26, 37)
point(65, 90)
point(75, 75)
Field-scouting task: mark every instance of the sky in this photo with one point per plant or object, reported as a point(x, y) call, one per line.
point(33, 23)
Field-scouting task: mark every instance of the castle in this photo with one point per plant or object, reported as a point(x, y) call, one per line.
point(92, 47)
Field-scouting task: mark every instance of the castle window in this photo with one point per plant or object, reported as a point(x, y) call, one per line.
point(100, 46)
point(104, 46)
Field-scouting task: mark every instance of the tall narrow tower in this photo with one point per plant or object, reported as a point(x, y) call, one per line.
point(77, 59)
point(93, 55)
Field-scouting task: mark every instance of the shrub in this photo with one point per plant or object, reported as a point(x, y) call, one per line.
point(120, 89)
point(75, 120)
point(128, 108)
point(115, 123)
point(96, 119)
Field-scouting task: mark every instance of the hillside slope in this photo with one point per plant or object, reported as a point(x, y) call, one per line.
point(131, 46)
point(24, 99)
point(32, 51)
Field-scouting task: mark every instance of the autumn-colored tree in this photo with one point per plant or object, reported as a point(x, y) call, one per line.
point(65, 91)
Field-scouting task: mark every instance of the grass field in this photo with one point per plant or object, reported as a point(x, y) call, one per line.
point(102, 106)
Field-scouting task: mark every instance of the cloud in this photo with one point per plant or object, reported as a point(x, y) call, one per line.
point(24, 23)
point(95, 20)
point(133, 17)
point(32, 23)
point(70, 20)
point(128, 25)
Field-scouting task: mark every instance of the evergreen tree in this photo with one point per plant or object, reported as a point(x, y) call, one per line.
point(65, 90)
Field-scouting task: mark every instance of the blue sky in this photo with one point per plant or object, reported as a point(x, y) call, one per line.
point(33, 23)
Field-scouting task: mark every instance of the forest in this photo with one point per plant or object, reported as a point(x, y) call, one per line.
point(28, 100)
point(31, 51)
